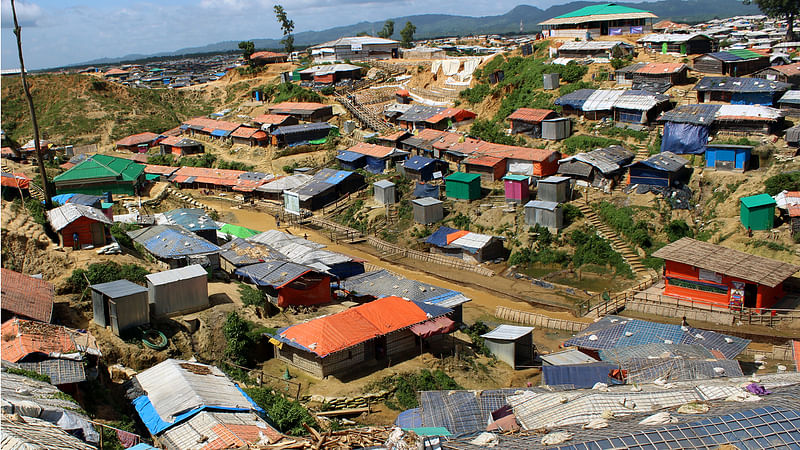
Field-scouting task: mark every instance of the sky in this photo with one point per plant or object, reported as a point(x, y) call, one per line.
point(62, 32)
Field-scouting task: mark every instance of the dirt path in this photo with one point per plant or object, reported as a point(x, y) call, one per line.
point(483, 302)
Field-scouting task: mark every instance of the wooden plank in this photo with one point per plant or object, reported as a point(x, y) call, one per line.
point(343, 412)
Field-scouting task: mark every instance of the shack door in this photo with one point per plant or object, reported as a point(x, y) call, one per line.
point(98, 234)
point(750, 294)
point(112, 316)
point(380, 347)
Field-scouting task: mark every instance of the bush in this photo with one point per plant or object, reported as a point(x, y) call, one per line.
point(252, 296)
point(236, 331)
point(581, 143)
point(205, 160)
point(36, 210)
point(571, 214)
point(493, 131)
point(406, 385)
point(592, 249)
point(475, 331)
point(782, 182)
point(572, 87)
point(287, 415)
point(118, 232)
point(162, 160)
point(29, 373)
point(475, 94)
point(103, 273)
point(678, 229)
point(235, 165)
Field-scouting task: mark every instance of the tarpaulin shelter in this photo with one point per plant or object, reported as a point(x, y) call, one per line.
point(176, 246)
point(307, 133)
point(195, 220)
point(336, 344)
point(351, 160)
point(579, 376)
point(664, 169)
point(421, 168)
point(740, 91)
point(426, 190)
point(473, 247)
point(287, 283)
point(377, 157)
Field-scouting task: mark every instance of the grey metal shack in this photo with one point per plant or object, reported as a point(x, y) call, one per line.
point(178, 291)
point(427, 210)
point(546, 214)
point(553, 189)
point(511, 344)
point(120, 304)
point(385, 192)
point(556, 129)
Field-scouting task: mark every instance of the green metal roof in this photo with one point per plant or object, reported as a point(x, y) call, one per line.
point(744, 53)
point(758, 200)
point(515, 177)
point(463, 177)
point(238, 231)
point(103, 166)
point(596, 10)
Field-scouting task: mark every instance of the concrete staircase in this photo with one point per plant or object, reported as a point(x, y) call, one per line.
point(619, 246)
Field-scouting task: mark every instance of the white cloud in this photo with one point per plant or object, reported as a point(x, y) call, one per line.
point(28, 14)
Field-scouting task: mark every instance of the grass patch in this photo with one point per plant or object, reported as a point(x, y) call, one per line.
point(31, 374)
point(406, 385)
point(287, 415)
point(582, 143)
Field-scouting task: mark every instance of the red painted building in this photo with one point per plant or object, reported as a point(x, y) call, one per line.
point(725, 277)
point(85, 223)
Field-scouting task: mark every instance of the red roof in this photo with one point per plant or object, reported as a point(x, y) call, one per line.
point(484, 160)
point(229, 435)
point(23, 337)
point(457, 114)
point(304, 106)
point(267, 55)
point(220, 177)
point(532, 115)
point(794, 210)
point(272, 119)
point(212, 124)
point(15, 180)
point(170, 140)
point(403, 93)
point(374, 150)
point(329, 334)
point(6, 151)
point(397, 135)
point(248, 132)
point(137, 139)
point(669, 24)
point(788, 69)
point(26, 296)
point(159, 170)
point(177, 131)
point(659, 68)
point(139, 157)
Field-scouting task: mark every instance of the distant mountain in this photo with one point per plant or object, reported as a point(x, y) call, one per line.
point(437, 25)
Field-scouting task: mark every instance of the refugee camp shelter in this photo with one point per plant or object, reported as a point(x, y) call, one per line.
point(99, 174)
point(664, 169)
point(238, 253)
point(752, 119)
point(305, 111)
point(720, 276)
point(79, 225)
point(463, 186)
point(471, 247)
point(139, 143)
point(546, 214)
point(308, 253)
point(303, 134)
point(269, 122)
point(788, 73)
point(554, 189)
point(556, 129)
point(195, 220)
point(436, 117)
point(757, 212)
point(728, 157)
point(740, 90)
point(263, 58)
point(639, 106)
point(735, 63)
point(386, 329)
point(679, 43)
point(176, 246)
point(790, 103)
point(570, 356)
point(288, 283)
point(490, 168)
point(599, 167)
point(121, 305)
point(382, 283)
point(178, 291)
point(331, 73)
point(377, 158)
point(273, 190)
point(176, 392)
point(600, 50)
point(600, 19)
point(249, 136)
point(529, 121)
point(427, 210)
point(355, 48)
point(517, 189)
point(178, 146)
point(421, 168)
point(351, 160)
point(511, 344)
point(25, 296)
point(385, 192)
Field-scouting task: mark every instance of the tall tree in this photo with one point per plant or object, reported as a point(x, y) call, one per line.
point(48, 190)
point(788, 9)
point(407, 34)
point(287, 26)
point(388, 29)
point(248, 48)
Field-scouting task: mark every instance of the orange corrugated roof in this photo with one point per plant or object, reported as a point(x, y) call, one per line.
point(26, 296)
point(329, 334)
point(788, 69)
point(657, 68)
point(236, 435)
point(136, 139)
point(531, 115)
point(271, 119)
point(394, 136)
point(158, 169)
point(244, 132)
point(450, 113)
point(374, 150)
point(20, 338)
point(484, 160)
point(265, 54)
point(116, 71)
point(15, 180)
point(794, 210)
point(455, 235)
point(403, 93)
point(170, 140)
point(212, 124)
point(308, 106)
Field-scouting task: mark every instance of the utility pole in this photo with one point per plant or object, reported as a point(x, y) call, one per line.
point(48, 194)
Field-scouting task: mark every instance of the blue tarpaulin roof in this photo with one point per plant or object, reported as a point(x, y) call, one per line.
point(422, 190)
point(348, 156)
point(273, 273)
point(410, 418)
point(193, 219)
point(698, 114)
point(220, 133)
point(172, 242)
point(740, 84)
point(439, 237)
point(331, 176)
point(575, 99)
point(578, 375)
point(291, 129)
point(417, 162)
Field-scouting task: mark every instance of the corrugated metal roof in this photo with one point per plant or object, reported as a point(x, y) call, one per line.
point(103, 166)
point(602, 100)
point(26, 296)
point(383, 283)
point(383, 184)
point(302, 128)
point(606, 160)
point(273, 273)
point(592, 45)
point(698, 114)
point(639, 100)
point(740, 84)
point(327, 69)
point(420, 113)
point(575, 99)
point(507, 332)
point(281, 184)
point(193, 219)
point(119, 288)
point(748, 112)
point(64, 215)
point(348, 156)
point(33, 433)
point(426, 201)
point(357, 40)
point(171, 276)
point(542, 204)
point(667, 161)
point(672, 37)
point(791, 97)
point(172, 241)
point(568, 356)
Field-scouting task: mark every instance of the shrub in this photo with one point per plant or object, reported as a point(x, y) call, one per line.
point(580, 143)
point(492, 131)
point(572, 87)
point(678, 229)
point(103, 273)
point(406, 385)
point(252, 296)
point(118, 232)
point(592, 249)
point(475, 94)
point(782, 182)
point(571, 214)
point(235, 165)
point(236, 331)
point(287, 415)
point(205, 160)
point(162, 160)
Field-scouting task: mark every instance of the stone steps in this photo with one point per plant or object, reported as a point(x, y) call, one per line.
point(620, 246)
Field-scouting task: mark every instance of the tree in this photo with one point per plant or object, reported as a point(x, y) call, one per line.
point(388, 30)
point(407, 34)
point(248, 48)
point(287, 26)
point(789, 9)
point(48, 192)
